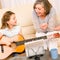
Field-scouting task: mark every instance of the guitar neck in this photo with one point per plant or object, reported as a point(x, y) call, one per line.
point(32, 39)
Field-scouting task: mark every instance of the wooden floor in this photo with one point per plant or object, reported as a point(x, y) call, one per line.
point(46, 56)
point(23, 57)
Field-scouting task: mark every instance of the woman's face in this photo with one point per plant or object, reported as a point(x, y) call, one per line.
point(40, 11)
point(12, 20)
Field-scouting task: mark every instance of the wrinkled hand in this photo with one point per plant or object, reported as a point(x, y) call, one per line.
point(44, 26)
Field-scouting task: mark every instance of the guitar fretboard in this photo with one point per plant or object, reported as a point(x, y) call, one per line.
point(32, 39)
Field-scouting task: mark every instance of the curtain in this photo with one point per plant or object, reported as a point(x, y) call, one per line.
point(0, 4)
point(14, 3)
point(55, 4)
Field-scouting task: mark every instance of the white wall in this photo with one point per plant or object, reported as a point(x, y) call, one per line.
point(13, 3)
point(16, 3)
point(56, 5)
point(0, 5)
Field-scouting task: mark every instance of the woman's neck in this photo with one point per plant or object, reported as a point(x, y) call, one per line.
point(42, 17)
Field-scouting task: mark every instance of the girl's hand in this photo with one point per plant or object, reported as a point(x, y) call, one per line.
point(44, 26)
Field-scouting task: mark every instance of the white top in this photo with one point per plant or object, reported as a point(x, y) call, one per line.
point(12, 32)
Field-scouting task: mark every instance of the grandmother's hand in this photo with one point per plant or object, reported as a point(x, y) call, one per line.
point(44, 26)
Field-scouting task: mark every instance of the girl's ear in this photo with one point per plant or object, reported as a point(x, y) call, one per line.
point(7, 22)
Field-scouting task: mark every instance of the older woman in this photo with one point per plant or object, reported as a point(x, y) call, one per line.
point(44, 16)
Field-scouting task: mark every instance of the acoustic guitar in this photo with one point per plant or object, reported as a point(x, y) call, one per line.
point(5, 50)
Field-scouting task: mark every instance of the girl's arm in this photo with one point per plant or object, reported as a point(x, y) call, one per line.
point(52, 20)
point(1, 35)
point(5, 40)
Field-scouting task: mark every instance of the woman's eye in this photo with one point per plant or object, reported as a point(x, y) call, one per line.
point(39, 9)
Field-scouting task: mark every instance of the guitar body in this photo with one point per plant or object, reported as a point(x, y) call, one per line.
point(20, 48)
point(7, 50)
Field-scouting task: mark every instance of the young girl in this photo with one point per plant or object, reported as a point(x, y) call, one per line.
point(9, 30)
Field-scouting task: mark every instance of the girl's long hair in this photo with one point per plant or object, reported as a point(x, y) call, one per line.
point(5, 18)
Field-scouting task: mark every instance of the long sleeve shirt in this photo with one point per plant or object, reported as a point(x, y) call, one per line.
point(50, 19)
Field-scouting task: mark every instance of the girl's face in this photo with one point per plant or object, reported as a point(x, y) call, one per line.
point(40, 11)
point(12, 20)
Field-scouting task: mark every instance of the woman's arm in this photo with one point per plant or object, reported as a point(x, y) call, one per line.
point(52, 20)
point(35, 21)
point(57, 28)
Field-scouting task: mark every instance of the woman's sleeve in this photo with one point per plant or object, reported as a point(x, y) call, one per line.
point(35, 21)
point(52, 20)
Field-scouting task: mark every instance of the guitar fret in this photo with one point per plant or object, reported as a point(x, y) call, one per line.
point(27, 40)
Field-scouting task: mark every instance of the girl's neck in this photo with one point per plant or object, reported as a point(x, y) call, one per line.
point(10, 27)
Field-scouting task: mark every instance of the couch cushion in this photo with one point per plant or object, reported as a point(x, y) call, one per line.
point(29, 36)
point(28, 30)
